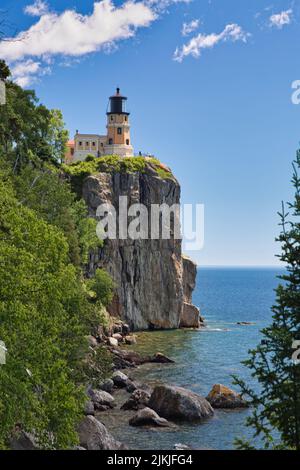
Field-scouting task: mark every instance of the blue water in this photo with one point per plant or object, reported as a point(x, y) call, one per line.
point(203, 358)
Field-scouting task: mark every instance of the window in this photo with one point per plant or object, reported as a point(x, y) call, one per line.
point(94, 144)
point(127, 141)
point(110, 141)
point(101, 144)
point(87, 144)
point(80, 144)
point(119, 130)
point(125, 118)
point(111, 118)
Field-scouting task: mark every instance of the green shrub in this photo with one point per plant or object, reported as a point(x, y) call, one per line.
point(103, 286)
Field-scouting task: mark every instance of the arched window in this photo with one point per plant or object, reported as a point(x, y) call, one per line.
point(127, 141)
point(110, 141)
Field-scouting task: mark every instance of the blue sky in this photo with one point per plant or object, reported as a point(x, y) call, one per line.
point(220, 115)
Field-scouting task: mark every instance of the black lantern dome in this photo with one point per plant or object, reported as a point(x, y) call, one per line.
point(117, 104)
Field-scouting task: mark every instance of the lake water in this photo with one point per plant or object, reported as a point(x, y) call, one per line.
point(202, 358)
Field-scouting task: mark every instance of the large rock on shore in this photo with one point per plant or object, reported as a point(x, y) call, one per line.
point(223, 397)
point(190, 317)
point(148, 417)
point(138, 399)
point(149, 274)
point(93, 435)
point(101, 399)
point(177, 403)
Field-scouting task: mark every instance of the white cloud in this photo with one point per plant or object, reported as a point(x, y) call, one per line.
point(194, 47)
point(161, 5)
point(25, 73)
point(279, 20)
point(188, 28)
point(38, 8)
point(71, 34)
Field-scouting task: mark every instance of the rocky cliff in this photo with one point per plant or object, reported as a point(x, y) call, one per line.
point(154, 281)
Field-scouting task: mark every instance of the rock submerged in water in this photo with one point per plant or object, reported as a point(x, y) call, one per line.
point(93, 435)
point(119, 379)
point(138, 399)
point(107, 386)
point(148, 417)
point(101, 399)
point(223, 397)
point(177, 403)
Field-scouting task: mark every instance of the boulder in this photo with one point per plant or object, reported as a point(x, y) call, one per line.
point(147, 417)
point(130, 339)
point(223, 397)
point(125, 329)
point(161, 359)
point(92, 341)
point(190, 316)
point(118, 337)
point(138, 399)
point(89, 408)
point(120, 380)
point(112, 341)
point(23, 441)
point(93, 435)
point(107, 386)
point(127, 358)
point(131, 386)
point(101, 399)
point(179, 404)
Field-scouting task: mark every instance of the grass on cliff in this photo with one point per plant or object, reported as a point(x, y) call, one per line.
point(78, 171)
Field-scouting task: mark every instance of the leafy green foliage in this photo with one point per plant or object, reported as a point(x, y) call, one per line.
point(26, 126)
point(40, 322)
point(78, 171)
point(277, 406)
point(103, 287)
point(46, 311)
point(4, 70)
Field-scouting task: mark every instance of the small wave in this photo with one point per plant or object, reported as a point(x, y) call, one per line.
point(215, 329)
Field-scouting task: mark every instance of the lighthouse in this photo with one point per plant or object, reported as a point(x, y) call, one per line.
point(118, 127)
point(116, 141)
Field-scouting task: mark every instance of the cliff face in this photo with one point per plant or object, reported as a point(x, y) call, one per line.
point(154, 283)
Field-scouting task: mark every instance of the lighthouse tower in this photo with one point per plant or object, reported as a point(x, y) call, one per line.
point(118, 127)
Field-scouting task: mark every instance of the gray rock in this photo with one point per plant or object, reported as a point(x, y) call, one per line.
point(179, 404)
point(107, 386)
point(92, 341)
point(112, 341)
point(120, 380)
point(223, 397)
point(130, 339)
point(118, 337)
point(148, 417)
point(138, 399)
point(89, 408)
point(190, 316)
point(23, 441)
point(131, 386)
point(93, 435)
point(101, 399)
point(125, 329)
point(153, 280)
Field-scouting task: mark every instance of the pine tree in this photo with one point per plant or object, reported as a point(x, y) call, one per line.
point(276, 408)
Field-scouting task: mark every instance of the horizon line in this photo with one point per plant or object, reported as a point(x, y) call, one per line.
point(279, 266)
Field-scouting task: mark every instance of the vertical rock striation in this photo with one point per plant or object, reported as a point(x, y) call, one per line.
point(154, 282)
